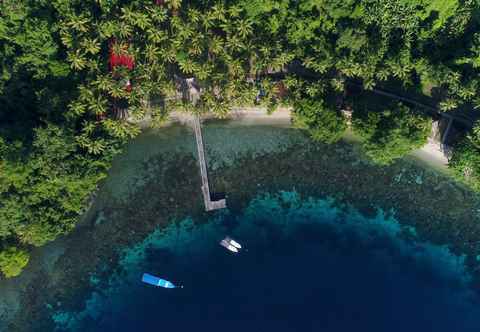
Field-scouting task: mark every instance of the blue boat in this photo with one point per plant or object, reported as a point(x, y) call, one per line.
point(155, 281)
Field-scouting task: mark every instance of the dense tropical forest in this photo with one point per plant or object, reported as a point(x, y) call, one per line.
point(77, 76)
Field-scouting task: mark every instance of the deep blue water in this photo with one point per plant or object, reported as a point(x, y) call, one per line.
point(309, 267)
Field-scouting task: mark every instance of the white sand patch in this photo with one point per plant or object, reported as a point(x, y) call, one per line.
point(241, 115)
point(433, 154)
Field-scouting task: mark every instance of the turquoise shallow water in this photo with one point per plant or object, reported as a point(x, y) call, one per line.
point(311, 265)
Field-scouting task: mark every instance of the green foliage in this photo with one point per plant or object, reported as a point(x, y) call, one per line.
point(465, 161)
point(28, 42)
point(438, 10)
point(323, 122)
point(12, 261)
point(43, 193)
point(392, 133)
point(59, 129)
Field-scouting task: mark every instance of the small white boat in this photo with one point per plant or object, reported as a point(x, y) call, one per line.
point(229, 246)
point(233, 242)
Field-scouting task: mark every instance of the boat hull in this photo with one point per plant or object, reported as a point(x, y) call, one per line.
point(228, 246)
point(155, 281)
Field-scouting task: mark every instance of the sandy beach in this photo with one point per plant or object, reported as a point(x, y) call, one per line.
point(241, 116)
point(431, 153)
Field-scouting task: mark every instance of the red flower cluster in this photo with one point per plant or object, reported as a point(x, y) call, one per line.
point(120, 59)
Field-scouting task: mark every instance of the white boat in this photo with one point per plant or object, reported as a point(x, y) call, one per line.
point(227, 245)
point(233, 242)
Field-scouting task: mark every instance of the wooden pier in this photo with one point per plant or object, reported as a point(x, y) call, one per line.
point(209, 204)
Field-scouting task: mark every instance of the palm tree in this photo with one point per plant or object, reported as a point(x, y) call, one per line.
point(313, 90)
point(152, 53)
point(196, 45)
point(142, 21)
point(186, 31)
point(85, 93)
point(120, 129)
point(93, 65)
point(174, 5)
point(194, 15)
point(234, 44)
point(204, 71)
point(127, 14)
point(382, 74)
point(107, 29)
point(170, 54)
point(398, 69)
point(187, 66)
point(348, 70)
point(104, 4)
point(467, 92)
point(103, 82)
point(235, 10)
point(308, 62)
point(448, 104)
point(88, 128)
point(156, 36)
point(338, 84)
point(244, 28)
point(77, 107)
point(369, 83)
point(227, 27)
point(235, 68)
point(91, 46)
point(218, 12)
point(77, 60)
point(207, 20)
point(176, 23)
point(119, 48)
point(94, 146)
point(216, 45)
point(117, 91)
point(281, 61)
point(158, 14)
point(98, 105)
point(78, 23)
point(66, 38)
point(125, 30)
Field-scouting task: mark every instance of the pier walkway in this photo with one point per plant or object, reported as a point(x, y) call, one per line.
point(209, 204)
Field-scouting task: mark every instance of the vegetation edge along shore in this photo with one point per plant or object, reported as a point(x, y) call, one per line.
point(73, 72)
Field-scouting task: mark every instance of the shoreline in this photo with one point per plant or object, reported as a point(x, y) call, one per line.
point(240, 115)
point(430, 154)
point(433, 156)
point(148, 200)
